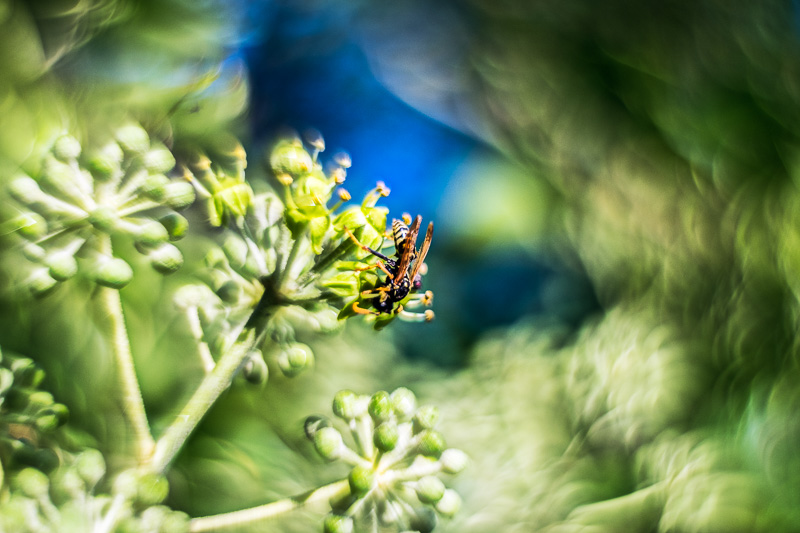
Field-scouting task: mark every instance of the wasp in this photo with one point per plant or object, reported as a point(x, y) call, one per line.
point(401, 277)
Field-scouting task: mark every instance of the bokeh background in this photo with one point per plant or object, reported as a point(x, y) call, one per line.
point(616, 257)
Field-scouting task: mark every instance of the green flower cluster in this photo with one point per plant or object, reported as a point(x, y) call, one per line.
point(291, 261)
point(395, 462)
point(44, 488)
point(70, 500)
point(79, 198)
point(27, 416)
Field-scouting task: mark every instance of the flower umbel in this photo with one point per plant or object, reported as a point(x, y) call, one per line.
point(79, 199)
point(396, 458)
point(293, 261)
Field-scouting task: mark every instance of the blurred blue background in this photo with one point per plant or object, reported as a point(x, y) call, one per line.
point(310, 69)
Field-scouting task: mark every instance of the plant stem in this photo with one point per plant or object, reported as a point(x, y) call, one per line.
point(298, 243)
point(132, 403)
point(111, 518)
point(170, 443)
point(270, 510)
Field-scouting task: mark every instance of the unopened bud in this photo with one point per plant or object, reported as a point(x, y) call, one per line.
point(67, 148)
point(430, 489)
point(449, 504)
point(328, 443)
point(114, 273)
point(166, 259)
point(132, 138)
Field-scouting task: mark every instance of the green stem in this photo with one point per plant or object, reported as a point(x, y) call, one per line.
point(133, 405)
point(212, 386)
point(298, 243)
point(270, 510)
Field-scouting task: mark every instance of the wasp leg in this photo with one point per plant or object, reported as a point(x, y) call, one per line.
point(378, 264)
point(362, 311)
point(364, 246)
point(374, 293)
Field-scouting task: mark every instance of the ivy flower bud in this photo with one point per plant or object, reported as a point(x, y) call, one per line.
point(255, 370)
point(104, 219)
point(103, 162)
point(425, 418)
point(235, 250)
point(404, 403)
point(151, 489)
point(175, 522)
point(380, 406)
point(6, 380)
point(34, 252)
point(361, 480)
point(113, 273)
point(453, 461)
point(175, 224)
point(47, 420)
point(67, 148)
point(295, 358)
point(449, 504)
point(51, 418)
point(90, 466)
point(166, 259)
point(25, 190)
point(151, 233)
point(40, 282)
point(385, 436)
point(126, 484)
point(133, 138)
point(289, 157)
point(158, 160)
point(179, 194)
point(430, 489)
point(346, 405)
point(62, 265)
point(328, 443)
point(431, 443)
point(32, 483)
point(155, 187)
point(30, 225)
point(335, 523)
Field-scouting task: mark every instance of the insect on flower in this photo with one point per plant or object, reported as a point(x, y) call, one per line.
point(401, 277)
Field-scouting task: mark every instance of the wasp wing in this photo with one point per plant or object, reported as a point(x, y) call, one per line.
point(426, 244)
point(409, 250)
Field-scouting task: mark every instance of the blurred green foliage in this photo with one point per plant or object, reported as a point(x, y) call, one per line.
point(655, 148)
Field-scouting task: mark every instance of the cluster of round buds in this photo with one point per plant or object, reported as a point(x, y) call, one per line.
point(338, 239)
point(78, 197)
point(396, 462)
point(27, 415)
point(68, 500)
point(219, 179)
point(288, 261)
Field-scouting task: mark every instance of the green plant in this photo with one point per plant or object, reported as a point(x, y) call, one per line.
point(285, 264)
